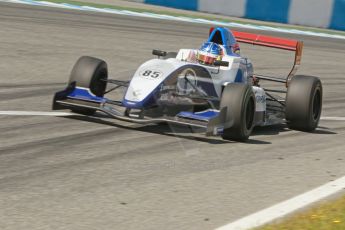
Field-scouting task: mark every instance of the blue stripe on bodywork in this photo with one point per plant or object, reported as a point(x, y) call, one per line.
point(268, 10)
point(84, 94)
point(179, 4)
point(239, 76)
point(338, 15)
point(202, 116)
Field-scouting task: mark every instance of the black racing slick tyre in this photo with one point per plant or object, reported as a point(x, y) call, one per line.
point(304, 103)
point(240, 102)
point(91, 73)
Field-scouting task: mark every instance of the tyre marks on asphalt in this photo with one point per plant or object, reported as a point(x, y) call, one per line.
point(30, 85)
point(34, 92)
point(30, 163)
point(36, 113)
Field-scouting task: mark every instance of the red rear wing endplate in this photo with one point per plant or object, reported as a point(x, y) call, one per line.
point(273, 42)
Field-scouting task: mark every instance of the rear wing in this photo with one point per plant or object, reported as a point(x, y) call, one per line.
point(274, 42)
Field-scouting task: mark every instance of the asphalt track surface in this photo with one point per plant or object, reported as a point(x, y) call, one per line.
point(96, 173)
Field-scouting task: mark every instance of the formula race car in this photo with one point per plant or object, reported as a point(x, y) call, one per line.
point(213, 87)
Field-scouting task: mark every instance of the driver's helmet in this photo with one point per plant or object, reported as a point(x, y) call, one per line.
point(209, 52)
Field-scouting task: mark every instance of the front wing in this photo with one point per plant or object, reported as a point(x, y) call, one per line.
point(75, 98)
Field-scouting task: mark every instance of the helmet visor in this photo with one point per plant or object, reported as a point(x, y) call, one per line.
point(206, 59)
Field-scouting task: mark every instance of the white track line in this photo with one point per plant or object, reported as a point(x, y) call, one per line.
point(59, 114)
point(333, 118)
point(282, 209)
point(35, 113)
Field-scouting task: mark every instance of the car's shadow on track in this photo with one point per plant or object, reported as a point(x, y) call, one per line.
point(186, 132)
point(324, 130)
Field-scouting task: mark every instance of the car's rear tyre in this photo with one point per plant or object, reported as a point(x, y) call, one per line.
point(240, 102)
point(91, 73)
point(304, 103)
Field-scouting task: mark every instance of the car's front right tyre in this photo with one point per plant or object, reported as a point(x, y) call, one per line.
point(239, 101)
point(90, 73)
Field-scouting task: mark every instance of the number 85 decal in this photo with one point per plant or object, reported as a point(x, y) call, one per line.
point(151, 74)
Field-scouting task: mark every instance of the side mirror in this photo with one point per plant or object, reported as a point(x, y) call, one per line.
point(159, 53)
point(221, 63)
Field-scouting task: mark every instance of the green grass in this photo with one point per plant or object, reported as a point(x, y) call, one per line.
point(218, 18)
point(327, 216)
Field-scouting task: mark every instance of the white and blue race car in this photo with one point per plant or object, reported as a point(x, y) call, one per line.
point(213, 87)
